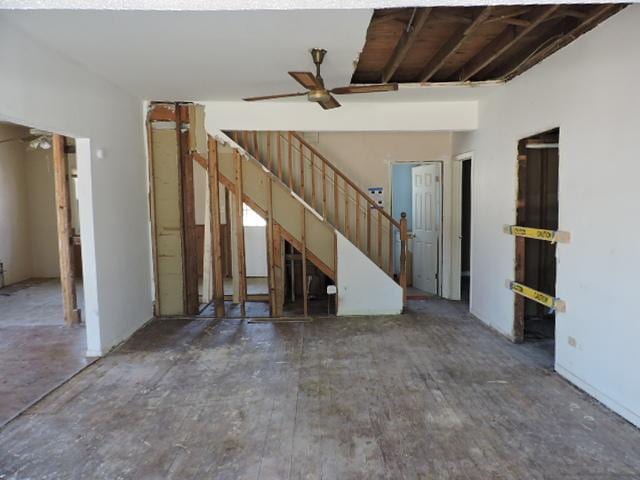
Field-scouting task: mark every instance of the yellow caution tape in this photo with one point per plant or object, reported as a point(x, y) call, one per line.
point(552, 236)
point(542, 298)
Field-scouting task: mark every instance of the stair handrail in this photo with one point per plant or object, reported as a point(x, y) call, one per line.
point(346, 179)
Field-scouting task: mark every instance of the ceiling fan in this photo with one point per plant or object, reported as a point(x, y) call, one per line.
point(317, 92)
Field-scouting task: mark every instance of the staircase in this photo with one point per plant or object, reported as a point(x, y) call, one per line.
point(305, 200)
point(332, 196)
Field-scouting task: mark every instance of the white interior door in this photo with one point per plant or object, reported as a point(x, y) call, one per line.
point(425, 181)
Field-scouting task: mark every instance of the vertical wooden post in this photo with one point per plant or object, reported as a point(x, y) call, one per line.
point(313, 182)
point(269, 159)
point(65, 234)
point(302, 191)
point(256, 155)
point(290, 138)
point(403, 255)
point(324, 190)
point(520, 272)
point(336, 199)
point(242, 270)
point(305, 293)
point(379, 235)
point(278, 267)
point(214, 225)
point(189, 233)
point(357, 219)
point(270, 249)
point(279, 139)
point(347, 227)
point(368, 229)
point(390, 259)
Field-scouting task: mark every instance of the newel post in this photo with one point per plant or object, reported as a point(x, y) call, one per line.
point(403, 255)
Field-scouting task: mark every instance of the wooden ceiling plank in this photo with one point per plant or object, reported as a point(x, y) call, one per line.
point(514, 13)
point(451, 45)
point(516, 21)
point(503, 42)
point(442, 16)
point(594, 17)
point(406, 41)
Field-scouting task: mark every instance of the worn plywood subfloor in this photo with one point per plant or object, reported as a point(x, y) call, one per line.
point(432, 394)
point(37, 352)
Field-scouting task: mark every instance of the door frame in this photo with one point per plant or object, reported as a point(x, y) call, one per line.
point(418, 163)
point(456, 226)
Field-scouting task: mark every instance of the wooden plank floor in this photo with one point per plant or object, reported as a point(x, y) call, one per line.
point(37, 351)
point(433, 395)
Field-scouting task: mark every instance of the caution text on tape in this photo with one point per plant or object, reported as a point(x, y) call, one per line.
point(552, 236)
point(542, 298)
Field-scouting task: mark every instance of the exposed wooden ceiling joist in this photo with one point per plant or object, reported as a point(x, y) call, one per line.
point(501, 44)
point(410, 35)
point(564, 38)
point(453, 44)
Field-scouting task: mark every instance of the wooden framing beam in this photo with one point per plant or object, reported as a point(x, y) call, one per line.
point(190, 239)
point(278, 269)
point(238, 214)
point(503, 42)
point(215, 226)
point(406, 41)
point(519, 304)
point(455, 41)
point(152, 212)
point(271, 252)
point(65, 232)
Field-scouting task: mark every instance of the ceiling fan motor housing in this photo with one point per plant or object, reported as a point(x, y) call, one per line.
point(318, 95)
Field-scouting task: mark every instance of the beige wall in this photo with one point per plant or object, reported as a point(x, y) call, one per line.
point(365, 157)
point(42, 213)
point(28, 231)
point(15, 249)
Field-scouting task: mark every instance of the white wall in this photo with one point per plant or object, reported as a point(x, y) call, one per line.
point(352, 116)
point(15, 252)
point(589, 90)
point(363, 287)
point(43, 89)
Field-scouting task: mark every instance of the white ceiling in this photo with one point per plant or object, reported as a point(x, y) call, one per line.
point(202, 55)
point(209, 5)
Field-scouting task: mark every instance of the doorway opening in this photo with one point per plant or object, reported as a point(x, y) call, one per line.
point(41, 290)
point(465, 231)
point(537, 207)
point(416, 188)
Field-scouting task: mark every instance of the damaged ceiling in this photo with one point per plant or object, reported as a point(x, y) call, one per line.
point(462, 44)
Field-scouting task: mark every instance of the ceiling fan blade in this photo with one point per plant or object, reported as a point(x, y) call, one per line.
point(330, 103)
point(385, 87)
point(268, 97)
point(307, 79)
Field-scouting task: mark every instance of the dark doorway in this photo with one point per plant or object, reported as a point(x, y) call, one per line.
point(536, 259)
point(465, 241)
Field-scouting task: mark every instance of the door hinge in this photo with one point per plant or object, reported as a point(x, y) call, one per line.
point(437, 178)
